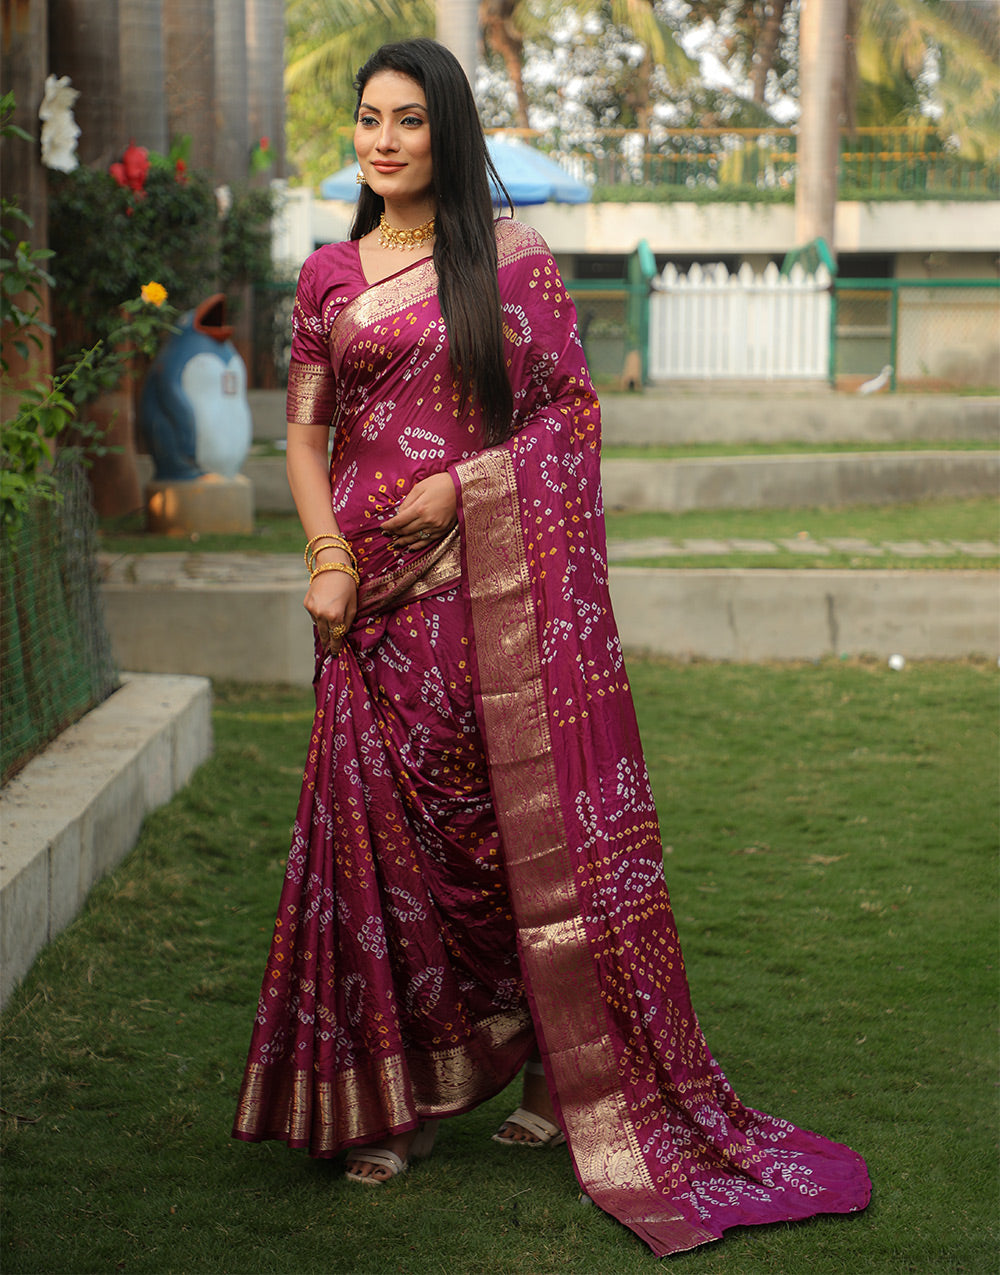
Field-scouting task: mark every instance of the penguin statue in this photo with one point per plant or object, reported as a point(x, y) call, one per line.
point(193, 411)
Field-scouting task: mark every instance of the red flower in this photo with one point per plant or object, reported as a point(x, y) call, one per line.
point(132, 169)
point(265, 143)
point(181, 172)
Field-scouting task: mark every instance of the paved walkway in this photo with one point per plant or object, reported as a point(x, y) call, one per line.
point(191, 569)
point(626, 550)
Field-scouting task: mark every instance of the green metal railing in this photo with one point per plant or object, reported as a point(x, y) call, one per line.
point(872, 314)
point(614, 318)
point(874, 162)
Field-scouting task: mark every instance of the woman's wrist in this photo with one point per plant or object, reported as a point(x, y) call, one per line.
point(332, 553)
point(329, 542)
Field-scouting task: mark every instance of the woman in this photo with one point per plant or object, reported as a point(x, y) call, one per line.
point(476, 836)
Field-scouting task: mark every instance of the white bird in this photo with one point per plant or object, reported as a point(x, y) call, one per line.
point(877, 382)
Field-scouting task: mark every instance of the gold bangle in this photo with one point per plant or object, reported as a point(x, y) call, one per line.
point(335, 566)
point(336, 542)
point(323, 535)
point(312, 562)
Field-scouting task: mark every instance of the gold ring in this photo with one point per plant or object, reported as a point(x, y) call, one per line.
point(337, 630)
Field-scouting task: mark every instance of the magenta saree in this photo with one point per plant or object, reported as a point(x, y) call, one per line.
point(476, 860)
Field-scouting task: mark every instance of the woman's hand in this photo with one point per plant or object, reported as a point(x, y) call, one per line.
point(426, 513)
point(332, 601)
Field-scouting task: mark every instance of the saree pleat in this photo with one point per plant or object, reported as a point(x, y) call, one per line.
point(476, 861)
point(392, 991)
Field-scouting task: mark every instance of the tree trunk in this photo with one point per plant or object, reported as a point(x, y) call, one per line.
point(144, 107)
point(189, 81)
point(457, 27)
point(232, 125)
point(114, 476)
point(265, 75)
point(767, 47)
point(822, 39)
point(640, 96)
point(24, 62)
point(504, 38)
point(84, 43)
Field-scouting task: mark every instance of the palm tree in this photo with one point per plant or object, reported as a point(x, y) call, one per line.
point(329, 39)
point(265, 70)
point(822, 62)
point(766, 48)
point(143, 105)
point(659, 43)
point(501, 33)
point(326, 42)
point(942, 54)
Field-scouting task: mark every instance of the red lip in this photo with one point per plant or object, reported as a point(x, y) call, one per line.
point(387, 167)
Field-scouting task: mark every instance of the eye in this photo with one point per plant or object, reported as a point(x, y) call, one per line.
point(367, 121)
point(413, 121)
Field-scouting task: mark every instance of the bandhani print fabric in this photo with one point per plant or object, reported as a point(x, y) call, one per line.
point(476, 862)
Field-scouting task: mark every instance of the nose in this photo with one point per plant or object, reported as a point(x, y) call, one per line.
point(387, 138)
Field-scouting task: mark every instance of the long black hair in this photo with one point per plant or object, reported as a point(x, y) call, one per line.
point(465, 250)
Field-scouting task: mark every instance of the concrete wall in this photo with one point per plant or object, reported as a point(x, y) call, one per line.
point(702, 229)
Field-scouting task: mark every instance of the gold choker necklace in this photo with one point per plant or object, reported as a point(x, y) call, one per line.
point(390, 237)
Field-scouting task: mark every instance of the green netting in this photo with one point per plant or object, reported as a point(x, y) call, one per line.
point(55, 653)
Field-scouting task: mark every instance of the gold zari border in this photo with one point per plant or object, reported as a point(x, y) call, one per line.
point(436, 570)
point(555, 952)
point(326, 1116)
point(311, 394)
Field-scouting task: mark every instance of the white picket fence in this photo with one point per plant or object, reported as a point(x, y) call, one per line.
point(709, 323)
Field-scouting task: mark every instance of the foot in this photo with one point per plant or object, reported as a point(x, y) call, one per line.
point(360, 1169)
point(534, 1098)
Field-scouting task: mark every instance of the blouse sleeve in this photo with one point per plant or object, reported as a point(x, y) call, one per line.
point(311, 384)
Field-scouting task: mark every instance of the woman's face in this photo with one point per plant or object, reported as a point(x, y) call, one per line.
point(392, 139)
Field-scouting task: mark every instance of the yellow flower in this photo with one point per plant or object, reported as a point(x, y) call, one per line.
point(154, 293)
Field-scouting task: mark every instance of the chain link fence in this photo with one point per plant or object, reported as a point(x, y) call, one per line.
point(54, 646)
point(918, 334)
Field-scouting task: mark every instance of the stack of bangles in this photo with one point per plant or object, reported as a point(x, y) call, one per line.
point(329, 540)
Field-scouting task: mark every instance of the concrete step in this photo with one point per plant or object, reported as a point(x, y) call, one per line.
point(75, 811)
point(754, 412)
point(676, 415)
point(829, 480)
point(816, 481)
point(241, 616)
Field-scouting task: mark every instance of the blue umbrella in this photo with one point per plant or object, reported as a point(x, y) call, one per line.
point(530, 177)
point(341, 185)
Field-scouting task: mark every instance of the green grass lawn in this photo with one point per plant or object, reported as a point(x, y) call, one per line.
point(966, 520)
point(692, 451)
point(831, 837)
point(880, 525)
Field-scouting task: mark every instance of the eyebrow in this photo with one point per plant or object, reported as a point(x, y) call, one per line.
point(367, 106)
